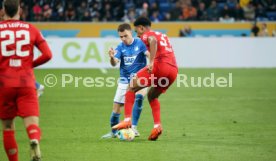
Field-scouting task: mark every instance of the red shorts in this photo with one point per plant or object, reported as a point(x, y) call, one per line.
point(162, 76)
point(21, 102)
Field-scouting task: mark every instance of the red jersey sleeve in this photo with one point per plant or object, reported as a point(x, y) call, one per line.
point(43, 47)
point(39, 39)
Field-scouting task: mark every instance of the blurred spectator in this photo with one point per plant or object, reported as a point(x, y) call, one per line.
point(269, 5)
point(86, 16)
point(107, 14)
point(144, 10)
point(153, 8)
point(226, 12)
point(213, 11)
point(37, 11)
point(176, 11)
point(260, 12)
point(130, 16)
point(263, 32)
point(58, 13)
point(202, 14)
point(47, 12)
point(249, 11)
point(255, 30)
point(118, 10)
point(95, 11)
point(156, 16)
point(188, 12)
point(24, 13)
point(167, 17)
point(232, 4)
point(82, 9)
point(274, 33)
point(239, 14)
point(186, 32)
point(206, 2)
point(70, 13)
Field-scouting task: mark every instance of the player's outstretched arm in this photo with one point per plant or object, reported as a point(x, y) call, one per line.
point(46, 54)
point(153, 49)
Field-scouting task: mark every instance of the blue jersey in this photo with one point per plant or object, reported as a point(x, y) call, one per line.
point(132, 58)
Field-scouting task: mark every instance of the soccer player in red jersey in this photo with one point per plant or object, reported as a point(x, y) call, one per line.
point(159, 74)
point(18, 95)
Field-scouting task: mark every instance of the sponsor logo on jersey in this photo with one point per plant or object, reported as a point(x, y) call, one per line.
point(129, 60)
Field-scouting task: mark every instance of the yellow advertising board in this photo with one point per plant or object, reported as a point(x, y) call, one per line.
point(170, 28)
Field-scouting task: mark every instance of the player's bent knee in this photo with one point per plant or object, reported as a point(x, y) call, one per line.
point(150, 97)
point(31, 120)
point(8, 125)
point(117, 107)
point(133, 85)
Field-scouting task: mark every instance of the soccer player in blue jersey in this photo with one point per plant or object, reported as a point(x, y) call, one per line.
point(131, 54)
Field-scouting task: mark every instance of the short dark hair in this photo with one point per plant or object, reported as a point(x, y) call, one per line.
point(123, 27)
point(143, 21)
point(11, 7)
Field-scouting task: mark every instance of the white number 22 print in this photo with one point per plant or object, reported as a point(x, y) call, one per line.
point(12, 36)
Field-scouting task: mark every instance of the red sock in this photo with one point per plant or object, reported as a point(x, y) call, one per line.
point(155, 107)
point(33, 132)
point(129, 101)
point(10, 145)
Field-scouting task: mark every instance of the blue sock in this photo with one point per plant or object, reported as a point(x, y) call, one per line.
point(137, 109)
point(37, 85)
point(114, 120)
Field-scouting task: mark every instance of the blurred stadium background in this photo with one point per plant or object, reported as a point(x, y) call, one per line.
point(207, 124)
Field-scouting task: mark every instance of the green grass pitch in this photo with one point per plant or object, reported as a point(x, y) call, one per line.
point(200, 124)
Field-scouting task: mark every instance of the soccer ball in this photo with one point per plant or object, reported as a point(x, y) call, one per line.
point(126, 134)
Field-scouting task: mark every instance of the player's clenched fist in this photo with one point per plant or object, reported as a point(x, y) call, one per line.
point(113, 59)
point(111, 52)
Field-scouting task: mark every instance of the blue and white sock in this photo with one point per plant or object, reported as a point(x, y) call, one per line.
point(37, 85)
point(114, 120)
point(137, 109)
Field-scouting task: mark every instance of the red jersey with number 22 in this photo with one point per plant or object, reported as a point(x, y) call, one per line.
point(164, 53)
point(17, 41)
